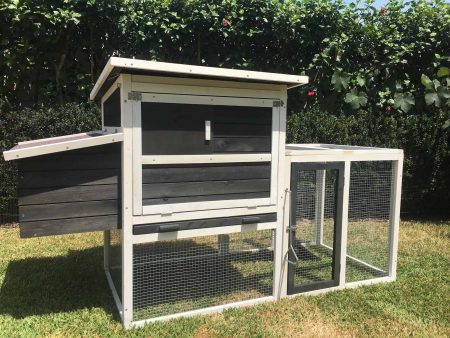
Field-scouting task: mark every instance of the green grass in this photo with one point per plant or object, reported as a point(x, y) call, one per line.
point(56, 287)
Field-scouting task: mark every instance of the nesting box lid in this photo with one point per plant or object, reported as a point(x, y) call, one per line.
point(116, 66)
point(60, 143)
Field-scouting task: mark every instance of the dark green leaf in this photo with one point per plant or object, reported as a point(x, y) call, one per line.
point(404, 101)
point(339, 80)
point(356, 99)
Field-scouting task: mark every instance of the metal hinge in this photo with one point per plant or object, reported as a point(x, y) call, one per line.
point(278, 103)
point(135, 96)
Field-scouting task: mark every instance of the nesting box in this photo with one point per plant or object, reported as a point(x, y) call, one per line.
point(202, 204)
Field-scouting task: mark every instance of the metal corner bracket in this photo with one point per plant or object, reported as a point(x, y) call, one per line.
point(136, 96)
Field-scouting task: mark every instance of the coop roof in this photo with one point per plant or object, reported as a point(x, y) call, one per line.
point(59, 144)
point(116, 66)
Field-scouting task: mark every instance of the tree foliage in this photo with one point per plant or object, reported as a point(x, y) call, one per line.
point(379, 76)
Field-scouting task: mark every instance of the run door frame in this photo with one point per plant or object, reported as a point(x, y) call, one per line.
point(337, 240)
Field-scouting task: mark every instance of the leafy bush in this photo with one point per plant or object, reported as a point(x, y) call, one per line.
point(379, 76)
point(27, 124)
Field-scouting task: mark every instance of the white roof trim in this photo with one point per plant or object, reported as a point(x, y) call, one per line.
point(311, 149)
point(59, 144)
point(176, 68)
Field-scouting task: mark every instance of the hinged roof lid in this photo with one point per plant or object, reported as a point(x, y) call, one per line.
point(117, 65)
point(60, 143)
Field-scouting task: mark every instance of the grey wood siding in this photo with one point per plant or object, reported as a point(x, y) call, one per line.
point(111, 110)
point(177, 129)
point(162, 184)
point(70, 192)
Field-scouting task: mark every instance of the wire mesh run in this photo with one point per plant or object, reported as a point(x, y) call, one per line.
point(313, 237)
point(368, 220)
point(176, 276)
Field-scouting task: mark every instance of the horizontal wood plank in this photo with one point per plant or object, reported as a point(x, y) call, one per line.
point(241, 115)
point(68, 226)
point(163, 190)
point(242, 144)
point(69, 161)
point(241, 130)
point(67, 178)
point(79, 193)
point(202, 223)
point(67, 210)
point(199, 172)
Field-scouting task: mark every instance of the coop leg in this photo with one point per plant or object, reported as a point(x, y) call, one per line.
point(224, 244)
point(319, 205)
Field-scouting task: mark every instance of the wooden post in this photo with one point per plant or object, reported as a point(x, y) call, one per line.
point(319, 205)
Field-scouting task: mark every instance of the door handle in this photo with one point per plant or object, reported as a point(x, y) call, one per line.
point(169, 227)
point(251, 220)
point(207, 130)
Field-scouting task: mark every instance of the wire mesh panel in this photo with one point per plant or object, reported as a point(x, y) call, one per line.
point(312, 236)
point(115, 260)
point(182, 275)
point(368, 220)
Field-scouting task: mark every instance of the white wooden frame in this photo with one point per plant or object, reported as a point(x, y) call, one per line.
point(127, 200)
point(347, 154)
point(165, 236)
point(139, 159)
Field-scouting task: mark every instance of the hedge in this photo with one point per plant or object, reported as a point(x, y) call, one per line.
point(379, 76)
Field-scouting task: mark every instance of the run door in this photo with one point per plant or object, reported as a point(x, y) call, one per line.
point(315, 226)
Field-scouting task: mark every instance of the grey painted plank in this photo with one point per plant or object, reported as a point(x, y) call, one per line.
point(173, 129)
point(241, 130)
point(204, 198)
point(242, 114)
point(111, 110)
point(192, 173)
point(68, 226)
point(161, 190)
point(67, 194)
point(142, 229)
point(242, 145)
point(175, 142)
point(67, 178)
point(70, 162)
point(67, 210)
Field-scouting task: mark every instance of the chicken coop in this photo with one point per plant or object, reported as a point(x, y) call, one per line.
point(202, 204)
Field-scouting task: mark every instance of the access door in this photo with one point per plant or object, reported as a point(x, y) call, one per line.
point(197, 153)
point(315, 226)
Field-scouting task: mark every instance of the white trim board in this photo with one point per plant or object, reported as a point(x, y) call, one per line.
point(190, 70)
point(204, 311)
point(60, 143)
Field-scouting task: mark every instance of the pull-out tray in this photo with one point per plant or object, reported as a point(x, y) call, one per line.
point(142, 229)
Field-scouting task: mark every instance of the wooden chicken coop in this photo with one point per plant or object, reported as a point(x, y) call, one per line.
point(202, 204)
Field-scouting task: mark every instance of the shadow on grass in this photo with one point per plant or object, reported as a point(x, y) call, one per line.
point(44, 285)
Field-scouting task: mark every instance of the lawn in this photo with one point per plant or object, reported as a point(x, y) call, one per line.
point(55, 286)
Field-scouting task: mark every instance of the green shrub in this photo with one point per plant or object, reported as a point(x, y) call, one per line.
point(24, 124)
point(379, 76)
